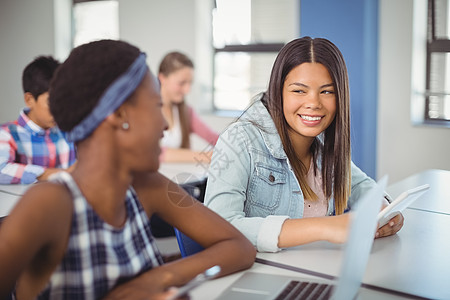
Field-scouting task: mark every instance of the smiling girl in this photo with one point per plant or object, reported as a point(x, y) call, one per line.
point(282, 174)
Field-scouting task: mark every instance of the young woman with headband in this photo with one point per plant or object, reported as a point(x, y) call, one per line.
point(86, 234)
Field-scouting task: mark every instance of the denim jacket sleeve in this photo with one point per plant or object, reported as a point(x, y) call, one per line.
point(226, 192)
point(361, 183)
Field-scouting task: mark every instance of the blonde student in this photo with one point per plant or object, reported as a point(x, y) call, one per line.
point(176, 73)
point(282, 174)
point(86, 234)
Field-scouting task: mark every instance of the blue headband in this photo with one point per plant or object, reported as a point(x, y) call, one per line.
point(111, 99)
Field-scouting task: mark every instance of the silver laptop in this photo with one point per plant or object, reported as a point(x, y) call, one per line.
point(252, 285)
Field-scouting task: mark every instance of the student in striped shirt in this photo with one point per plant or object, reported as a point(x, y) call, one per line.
point(32, 147)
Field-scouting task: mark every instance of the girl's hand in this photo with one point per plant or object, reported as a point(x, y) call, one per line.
point(147, 286)
point(392, 227)
point(145, 295)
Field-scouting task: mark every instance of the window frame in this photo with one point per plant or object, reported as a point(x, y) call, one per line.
point(268, 45)
point(247, 48)
point(433, 45)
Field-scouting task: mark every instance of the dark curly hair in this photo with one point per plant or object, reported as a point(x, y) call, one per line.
point(37, 75)
point(81, 80)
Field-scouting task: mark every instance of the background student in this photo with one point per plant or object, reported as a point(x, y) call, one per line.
point(282, 174)
point(32, 147)
point(176, 73)
point(86, 234)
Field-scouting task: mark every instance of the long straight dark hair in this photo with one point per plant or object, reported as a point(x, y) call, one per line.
point(335, 149)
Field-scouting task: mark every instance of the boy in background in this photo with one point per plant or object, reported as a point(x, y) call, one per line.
point(32, 147)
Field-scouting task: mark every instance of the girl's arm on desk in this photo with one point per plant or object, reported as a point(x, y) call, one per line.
point(333, 229)
point(224, 245)
point(296, 232)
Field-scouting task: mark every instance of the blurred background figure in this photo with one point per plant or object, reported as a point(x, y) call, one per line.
point(176, 73)
point(32, 147)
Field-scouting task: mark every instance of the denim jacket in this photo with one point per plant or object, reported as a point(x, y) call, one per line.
point(252, 185)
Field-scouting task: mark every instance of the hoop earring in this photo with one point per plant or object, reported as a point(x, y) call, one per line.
point(125, 126)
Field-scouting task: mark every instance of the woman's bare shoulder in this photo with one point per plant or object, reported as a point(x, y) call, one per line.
point(44, 200)
point(47, 191)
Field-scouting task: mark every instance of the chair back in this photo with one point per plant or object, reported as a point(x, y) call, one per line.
point(187, 245)
point(195, 188)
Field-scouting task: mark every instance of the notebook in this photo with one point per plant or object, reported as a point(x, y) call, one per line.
point(253, 285)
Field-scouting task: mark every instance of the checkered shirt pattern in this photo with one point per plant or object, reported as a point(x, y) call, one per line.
point(98, 256)
point(26, 150)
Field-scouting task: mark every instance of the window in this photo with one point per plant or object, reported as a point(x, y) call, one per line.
point(247, 36)
point(437, 101)
point(94, 20)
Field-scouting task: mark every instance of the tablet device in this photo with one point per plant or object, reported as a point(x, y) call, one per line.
point(400, 203)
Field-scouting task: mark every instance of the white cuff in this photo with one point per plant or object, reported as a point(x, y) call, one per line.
point(269, 232)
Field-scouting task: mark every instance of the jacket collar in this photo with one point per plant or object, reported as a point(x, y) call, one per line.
point(257, 113)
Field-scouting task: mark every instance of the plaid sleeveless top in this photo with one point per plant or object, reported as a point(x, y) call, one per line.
point(98, 256)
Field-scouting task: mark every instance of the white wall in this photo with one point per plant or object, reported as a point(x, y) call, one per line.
point(403, 149)
point(26, 31)
point(158, 27)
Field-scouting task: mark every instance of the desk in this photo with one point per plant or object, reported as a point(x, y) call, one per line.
point(181, 173)
point(436, 199)
point(7, 202)
point(414, 263)
point(14, 189)
point(9, 195)
point(214, 288)
point(176, 171)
